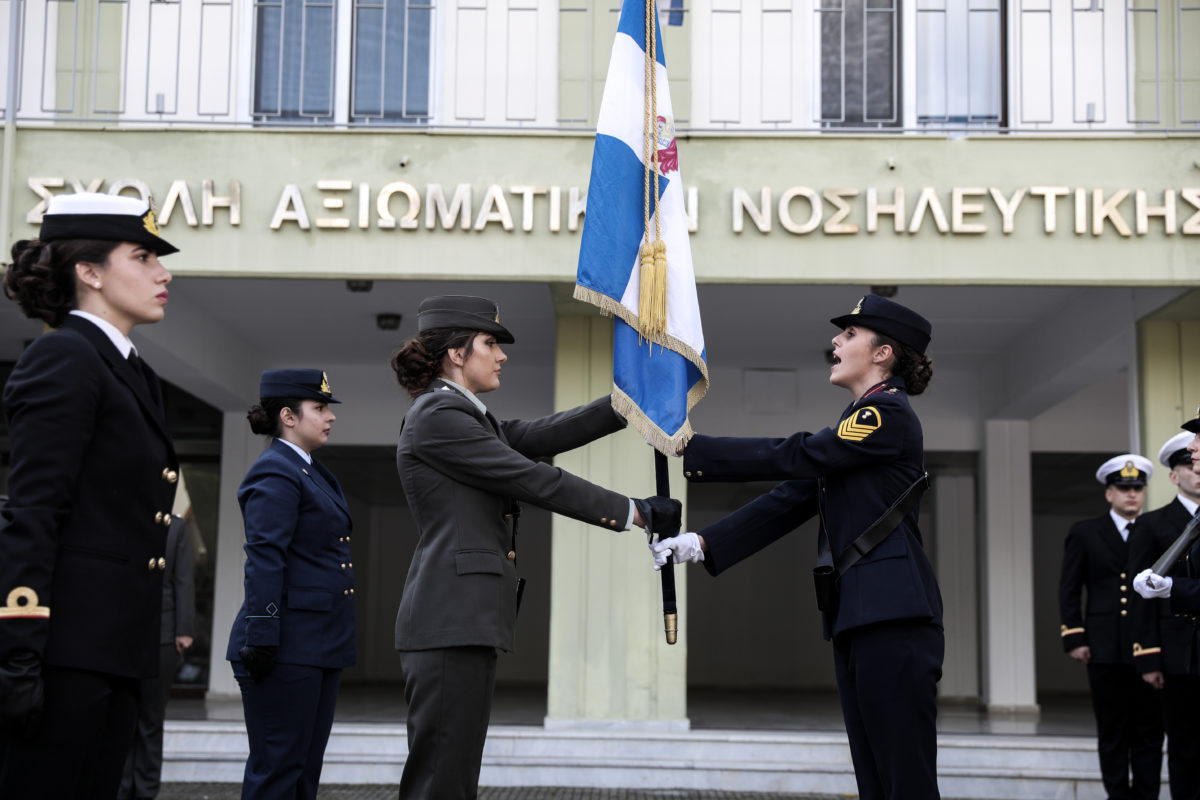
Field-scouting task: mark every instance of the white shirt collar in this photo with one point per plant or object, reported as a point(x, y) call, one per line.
point(470, 395)
point(1188, 503)
point(1120, 522)
point(120, 340)
point(300, 450)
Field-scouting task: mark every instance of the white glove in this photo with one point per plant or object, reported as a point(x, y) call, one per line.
point(681, 548)
point(1150, 586)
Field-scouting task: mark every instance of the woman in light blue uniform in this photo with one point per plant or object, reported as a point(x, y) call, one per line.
point(295, 630)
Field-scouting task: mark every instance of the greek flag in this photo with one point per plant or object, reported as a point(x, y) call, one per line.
point(659, 370)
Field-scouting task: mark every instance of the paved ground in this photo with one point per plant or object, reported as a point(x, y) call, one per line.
point(231, 791)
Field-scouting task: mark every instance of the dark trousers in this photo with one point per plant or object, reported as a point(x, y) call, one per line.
point(288, 717)
point(86, 731)
point(449, 694)
point(143, 765)
point(887, 678)
point(1181, 713)
point(1129, 730)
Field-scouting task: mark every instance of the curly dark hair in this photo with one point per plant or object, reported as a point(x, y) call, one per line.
point(41, 277)
point(916, 368)
point(264, 415)
point(419, 360)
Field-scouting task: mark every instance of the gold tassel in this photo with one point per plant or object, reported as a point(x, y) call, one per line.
point(652, 293)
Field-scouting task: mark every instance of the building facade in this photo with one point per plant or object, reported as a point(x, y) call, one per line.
point(1026, 173)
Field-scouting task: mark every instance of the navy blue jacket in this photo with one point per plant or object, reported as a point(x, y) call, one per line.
point(866, 462)
point(1095, 557)
point(299, 577)
point(91, 484)
point(1162, 637)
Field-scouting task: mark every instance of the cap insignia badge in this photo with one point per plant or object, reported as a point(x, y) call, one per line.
point(1129, 470)
point(150, 222)
point(858, 308)
point(325, 384)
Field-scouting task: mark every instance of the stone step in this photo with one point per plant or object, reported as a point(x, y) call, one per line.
point(970, 767)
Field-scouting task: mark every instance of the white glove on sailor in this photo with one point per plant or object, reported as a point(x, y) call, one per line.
point(1150, 586)
point(678, 549)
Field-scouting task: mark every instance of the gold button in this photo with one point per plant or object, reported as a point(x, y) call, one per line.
point(170, 475)
point(351, 591)
point(612, 523)
point(1124, 600)
point(162, 563)
point(347, 591)
point(1122, 576)
point(687, 474)
point(351, 565)
point(347, 538)
point(1124, 612)
point(157, 517)
point(604, 519)
point(343, 565)
point(152, 564)
point(166, 521)
point(340, 539)
point(512, 555)
point(1124, 588)
point(699, 474)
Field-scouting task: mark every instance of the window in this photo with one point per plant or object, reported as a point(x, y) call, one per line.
point(293, 60)
point(959, 58)
point(859, 70)
point(391, 60)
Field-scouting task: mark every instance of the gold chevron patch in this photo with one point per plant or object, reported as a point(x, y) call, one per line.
point(860, 424)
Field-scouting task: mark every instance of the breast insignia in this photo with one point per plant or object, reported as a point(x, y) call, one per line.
point(860, 424)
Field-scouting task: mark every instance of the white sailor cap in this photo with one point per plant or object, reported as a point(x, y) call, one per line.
point(1175, 451)
point(90, 215)
point(1128, 469)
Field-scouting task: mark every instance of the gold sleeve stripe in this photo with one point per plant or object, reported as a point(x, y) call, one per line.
point(859, 425)
point(14, 608)
point(1071, 631)
point(1147, 651)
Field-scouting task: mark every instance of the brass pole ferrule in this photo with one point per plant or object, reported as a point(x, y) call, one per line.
point(671, 627)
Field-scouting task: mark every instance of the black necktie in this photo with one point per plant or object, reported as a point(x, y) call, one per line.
point(148, 379)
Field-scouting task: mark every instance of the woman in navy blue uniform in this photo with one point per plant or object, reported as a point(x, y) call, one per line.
point(886, 619)
point(91, 482)
point(295, 630)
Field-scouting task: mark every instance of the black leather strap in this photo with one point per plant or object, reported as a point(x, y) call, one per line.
point(881, 528)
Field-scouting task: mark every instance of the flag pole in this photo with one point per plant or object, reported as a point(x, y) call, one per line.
point(662, 484)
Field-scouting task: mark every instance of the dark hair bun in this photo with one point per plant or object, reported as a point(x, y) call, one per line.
point(261, 422)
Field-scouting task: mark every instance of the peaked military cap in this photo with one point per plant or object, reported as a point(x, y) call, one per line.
point(462, 311)
point(301, 384)
point(1193, 425)
point(1175, 451)
point(890, 319)
point(1129, 469)
point(91, 215)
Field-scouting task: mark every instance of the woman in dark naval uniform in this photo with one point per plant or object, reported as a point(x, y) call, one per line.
point(295, 630)
point(91, 482)
point(464, 474)
point(863, 477)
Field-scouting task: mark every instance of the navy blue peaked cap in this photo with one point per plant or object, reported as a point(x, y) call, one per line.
point(301, 384)
point(890, 319)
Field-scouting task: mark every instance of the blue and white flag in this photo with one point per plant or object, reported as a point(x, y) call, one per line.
point(658, 376)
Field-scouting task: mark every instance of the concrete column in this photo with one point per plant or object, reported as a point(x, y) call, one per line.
point(609, 663)
point(955, 523)
point(1168, 391)
point(239, 449)
point(1009, 683)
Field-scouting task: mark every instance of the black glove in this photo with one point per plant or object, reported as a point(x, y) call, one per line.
point(661, 515)
point(21, 694)
point(258, 660)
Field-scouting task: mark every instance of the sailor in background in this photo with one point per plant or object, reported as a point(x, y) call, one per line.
point(1167, 643)
point(91, 484)
point(1097, 559)
point(295, 630)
